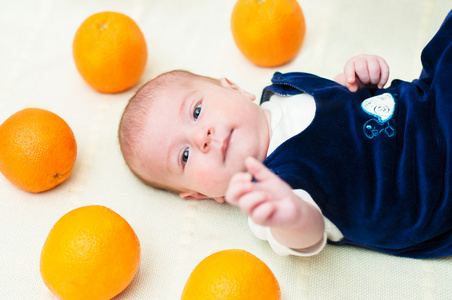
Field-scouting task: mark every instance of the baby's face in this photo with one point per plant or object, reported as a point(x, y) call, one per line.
point(198, 135)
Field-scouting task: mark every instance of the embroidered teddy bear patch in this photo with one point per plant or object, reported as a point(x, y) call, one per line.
point(381, 108)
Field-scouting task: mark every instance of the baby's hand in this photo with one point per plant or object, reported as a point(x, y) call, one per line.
point(269, 201)
point(369, 71)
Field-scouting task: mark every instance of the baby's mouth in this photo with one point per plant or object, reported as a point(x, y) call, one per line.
point(225, 145)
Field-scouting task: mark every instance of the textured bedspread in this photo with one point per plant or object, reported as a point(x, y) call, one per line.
point(37, 70)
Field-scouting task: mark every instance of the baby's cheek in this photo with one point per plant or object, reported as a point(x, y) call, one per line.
point(213, 184)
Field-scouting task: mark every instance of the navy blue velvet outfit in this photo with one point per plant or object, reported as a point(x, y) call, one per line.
point(379, 168)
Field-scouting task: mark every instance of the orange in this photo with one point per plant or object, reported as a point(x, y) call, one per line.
point(37, 149)
point(231, 275)
point(268, 32)
point(90, 253)
point(110, 52)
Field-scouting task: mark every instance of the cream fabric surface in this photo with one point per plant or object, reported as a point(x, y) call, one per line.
point(37, 70)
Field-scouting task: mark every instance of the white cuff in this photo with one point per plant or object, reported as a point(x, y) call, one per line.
point(264, 233)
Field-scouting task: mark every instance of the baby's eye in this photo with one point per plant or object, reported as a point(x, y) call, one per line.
point(197, 111)
point(185, 156)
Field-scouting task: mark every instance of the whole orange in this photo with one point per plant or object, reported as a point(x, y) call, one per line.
point(37, 149)
point(268, 32)
point(231, 275)
point(90, 253)
point(110, 52)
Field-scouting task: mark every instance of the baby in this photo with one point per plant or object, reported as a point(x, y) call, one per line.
point(342, 161)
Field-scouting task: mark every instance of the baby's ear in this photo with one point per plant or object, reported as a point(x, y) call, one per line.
point(230, 85)
point(219, 199)
point(192, 195)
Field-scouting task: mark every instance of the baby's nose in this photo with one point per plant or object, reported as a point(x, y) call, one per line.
point(204, 139)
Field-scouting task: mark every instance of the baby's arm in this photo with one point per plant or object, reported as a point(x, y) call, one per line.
point(369, 71)
point(271, 202)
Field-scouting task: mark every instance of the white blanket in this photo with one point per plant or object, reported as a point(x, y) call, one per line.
point(37, 70)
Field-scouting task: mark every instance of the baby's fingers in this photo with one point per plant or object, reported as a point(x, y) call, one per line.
point(257, 206)
point(384, 72)
point(263, 213)
point(366, 71)
point(239, 185)
point(373, 72)
point(362, 71)
point(378, 71)
point(353, 71)
point(258, 170)
point(250, 201)
point(349, 73)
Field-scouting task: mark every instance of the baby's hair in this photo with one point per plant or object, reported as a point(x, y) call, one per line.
point(132, 122)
